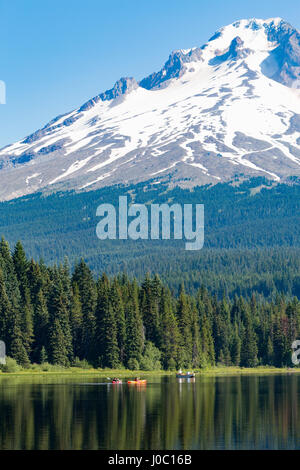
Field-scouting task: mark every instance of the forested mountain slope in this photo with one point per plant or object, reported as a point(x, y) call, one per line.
point(255, 222)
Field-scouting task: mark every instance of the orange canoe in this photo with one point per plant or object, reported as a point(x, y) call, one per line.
point(137, 382)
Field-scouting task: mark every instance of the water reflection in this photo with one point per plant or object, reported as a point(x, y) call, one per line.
point(249, 412)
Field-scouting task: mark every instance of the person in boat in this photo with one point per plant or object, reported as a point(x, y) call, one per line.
point(137, 379)
point(115, 379)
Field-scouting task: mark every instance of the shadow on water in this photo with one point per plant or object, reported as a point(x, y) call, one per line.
point(241, 412)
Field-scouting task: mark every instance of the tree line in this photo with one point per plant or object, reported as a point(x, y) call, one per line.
point(48, 314)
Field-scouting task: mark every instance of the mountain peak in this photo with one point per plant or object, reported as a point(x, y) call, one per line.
point(257, 23)
point(211, 113)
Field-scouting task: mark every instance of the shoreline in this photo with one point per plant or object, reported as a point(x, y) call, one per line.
point(213, 371)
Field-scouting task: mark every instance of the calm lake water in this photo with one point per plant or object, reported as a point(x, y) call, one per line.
point(244, 412)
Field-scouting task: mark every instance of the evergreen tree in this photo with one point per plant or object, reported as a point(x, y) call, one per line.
point(106, 326)
point(134, 325)
point(207, 342)
point(41, 325)
point(236, 347)
point(21, 266)
point(249, 344)
point(112, 351)
point(150, 308)
point(169, 330)
point(196, 351)
point(5, 311)
point(60, 339)
point(185, 329)
point(27, 321)
point(88, 296)
point(76, 322)
point(117, 305)
point(43, 355)
point(58, 345)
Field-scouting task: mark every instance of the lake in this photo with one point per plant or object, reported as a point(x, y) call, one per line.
point(224, 412)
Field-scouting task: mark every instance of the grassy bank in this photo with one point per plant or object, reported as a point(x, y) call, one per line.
point(122, 373)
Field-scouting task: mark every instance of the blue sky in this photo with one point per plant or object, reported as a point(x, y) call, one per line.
point(56, 54)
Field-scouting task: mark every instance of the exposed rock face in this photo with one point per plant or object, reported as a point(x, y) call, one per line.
point(121, 87)
point(285, 58)
point(175, 67)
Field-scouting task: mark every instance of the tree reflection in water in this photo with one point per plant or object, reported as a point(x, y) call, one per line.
point(240, 412)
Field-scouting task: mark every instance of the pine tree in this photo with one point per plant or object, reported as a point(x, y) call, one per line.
point(5, 311)
point(58, 346)
point(169, 330)
point(76, 322)
point(249, 344)
point(21, 266)
point(150, 294)
point(117, 305)
point(60, 339)
point(41, 325)
point(17, 349)
point(43, 356)
point(236, 347)
point(88, 296)
point(9, 274)
point(112, 351)
point(106, 326)
point(134, 325)
point(101, 314)
point(281, 342)
point(196, 352)
point(207, 342)
point(222, 331)
point(185, 330)
point(270, 351)
point(27, 321)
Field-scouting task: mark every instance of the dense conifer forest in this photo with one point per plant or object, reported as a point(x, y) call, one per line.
point(252, 236)
point(51, 314)
point(249, 215)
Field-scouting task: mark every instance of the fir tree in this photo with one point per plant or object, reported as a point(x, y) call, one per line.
point(134, 325)
point(236, 347)
point(150, 308)
point(169, 331)
point(41, 325)
point(21, 266)
point(88, 296)
point(60, 339)
point(76, 322)
point(207, 342)
point(249, 344)
point(185, 329)
point(117, 305)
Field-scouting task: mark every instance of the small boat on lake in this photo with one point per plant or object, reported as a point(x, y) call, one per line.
point(137, 381)
point(185, 375)
point(115, 380)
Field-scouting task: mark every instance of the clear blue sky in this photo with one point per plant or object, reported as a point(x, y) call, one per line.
point(56, 54)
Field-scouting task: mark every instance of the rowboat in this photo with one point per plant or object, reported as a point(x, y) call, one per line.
point(117, 381)
point(137, 382)
point(185, 376)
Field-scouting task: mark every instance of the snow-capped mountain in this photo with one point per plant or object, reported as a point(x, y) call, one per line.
point(228, 108)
